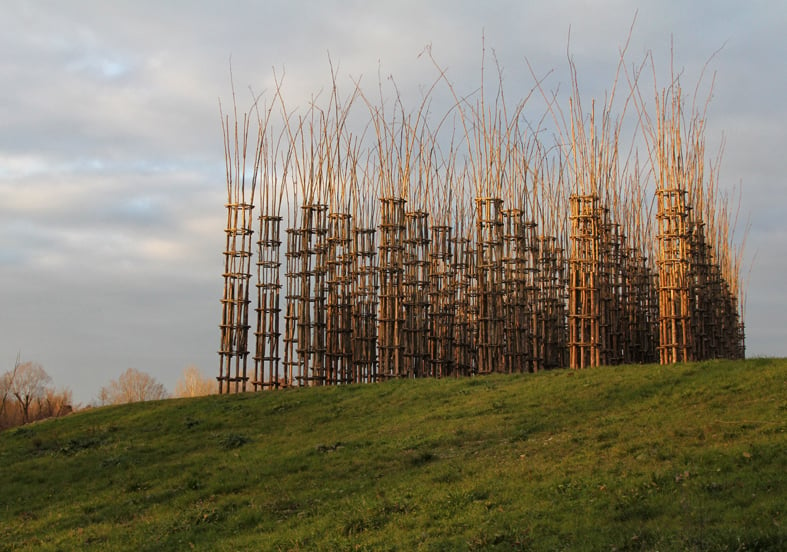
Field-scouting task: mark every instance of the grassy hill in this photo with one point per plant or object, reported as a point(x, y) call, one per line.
point(685, 457)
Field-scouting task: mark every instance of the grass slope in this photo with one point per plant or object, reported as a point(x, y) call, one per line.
point(685, 457)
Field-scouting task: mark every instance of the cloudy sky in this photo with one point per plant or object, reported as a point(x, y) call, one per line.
point(112, 165)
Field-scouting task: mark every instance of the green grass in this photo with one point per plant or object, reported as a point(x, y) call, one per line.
point(685, 457)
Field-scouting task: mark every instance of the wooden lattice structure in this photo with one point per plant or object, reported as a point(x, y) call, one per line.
point(266, 359)
point(415, 295)
point(489, 276)
point(235, 301)
point(675, 333)
point(404, 259)
point(584, 288)
point(518, 292)
point(364, 307)
point(640, 309)
point(441, 302)
point(550, 306)
point(311, 321)
point(291, 361)
point(390, 345)
point(339, 354)
point(465, 299)
point(238, 232)
point(698, 313)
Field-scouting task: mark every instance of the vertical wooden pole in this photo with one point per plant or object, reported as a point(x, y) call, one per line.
point(292, 366)
point(364, 310)
point(674, 315)
point(441, 302)
point(266, 358)
point(489, 268)
point(234, 350)
point(415, 328)
point(584, 316)
point(391, 268)
point(339, 318)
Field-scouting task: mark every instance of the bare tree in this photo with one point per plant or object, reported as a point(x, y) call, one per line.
point(194, 384)
point(132, 386)
point(5, 391)
point(28, 384)
point(5, 386)
point(54, 404)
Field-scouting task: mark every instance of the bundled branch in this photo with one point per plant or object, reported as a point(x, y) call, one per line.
point(234, 351)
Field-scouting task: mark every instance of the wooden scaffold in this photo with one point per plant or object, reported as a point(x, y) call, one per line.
point(640, 311)
point(675, 344)
point(614, 338)
point(442, 307)
point(408, 256)
point(271, 175)
point(234, 326)
point(364, 308)
point(702, 293)
point(339, 306)
point(391, 271)
point(584, 301)
point(465, 300)
point(311, 301)
point(550, 310)
point(415, 294)
point(292, 362)
point(518, 282)
point(235, 300)
point(489, 277)
point(266, 358)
